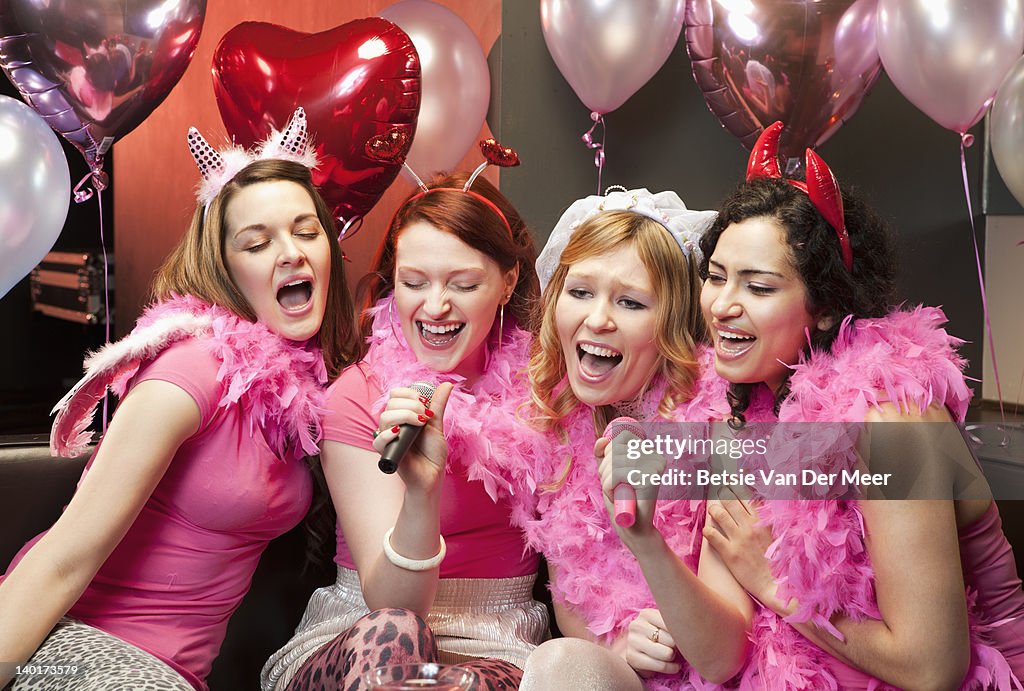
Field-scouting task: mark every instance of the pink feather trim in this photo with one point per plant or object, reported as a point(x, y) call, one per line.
point(904, 358)
point(598, 577)
point(819, 554)
point(487, 433)
point(278, 383)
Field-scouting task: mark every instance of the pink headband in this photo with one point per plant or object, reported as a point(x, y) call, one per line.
point(218, 168)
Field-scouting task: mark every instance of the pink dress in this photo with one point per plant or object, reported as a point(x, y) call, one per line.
point(819, 555)
point(171, 584)
point(990, 574)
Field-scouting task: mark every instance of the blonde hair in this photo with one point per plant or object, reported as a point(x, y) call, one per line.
point(680, 324)
point(196, 266)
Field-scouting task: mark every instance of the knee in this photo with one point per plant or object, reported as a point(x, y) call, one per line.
point(398, 628)
point(401, 619)
point(553, 661)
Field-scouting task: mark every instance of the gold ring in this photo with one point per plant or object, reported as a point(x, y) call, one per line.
point(376, 433)
point(655, 635)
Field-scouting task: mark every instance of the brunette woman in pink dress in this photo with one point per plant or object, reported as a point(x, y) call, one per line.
point(450, 301)
point(851, 593)
point(202, 465)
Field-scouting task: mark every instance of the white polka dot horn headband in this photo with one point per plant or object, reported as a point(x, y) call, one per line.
point(219, 167)
point(684, 225)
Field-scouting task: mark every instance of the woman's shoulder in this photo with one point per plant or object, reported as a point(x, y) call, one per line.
point(888, 411)
point(355, 383)
point(190, 365)
point(190, 354)
point(356, 373)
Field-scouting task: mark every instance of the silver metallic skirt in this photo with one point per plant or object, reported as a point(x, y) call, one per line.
point(470, 618)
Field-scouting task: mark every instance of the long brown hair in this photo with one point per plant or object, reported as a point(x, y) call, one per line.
point(449, 209)
point(197, 266)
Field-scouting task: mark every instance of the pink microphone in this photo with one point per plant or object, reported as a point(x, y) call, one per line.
point(624, 494)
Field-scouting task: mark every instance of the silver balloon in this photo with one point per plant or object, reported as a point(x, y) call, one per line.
point(35, 190)
point(456, 88)
point(608, 50)
point(95, 69)
point(1006, 130)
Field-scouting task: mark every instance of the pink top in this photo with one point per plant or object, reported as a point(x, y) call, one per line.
point(482, 543)
point(182, 569)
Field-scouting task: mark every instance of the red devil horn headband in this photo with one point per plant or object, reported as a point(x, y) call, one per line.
point(821, 185)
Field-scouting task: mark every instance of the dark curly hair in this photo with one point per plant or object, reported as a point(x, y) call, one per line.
point(832, 291)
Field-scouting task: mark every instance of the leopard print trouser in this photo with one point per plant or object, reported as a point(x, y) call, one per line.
point(388, 637)
point(101, 662)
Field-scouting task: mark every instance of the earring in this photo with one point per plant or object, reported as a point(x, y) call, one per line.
point(391, 317)
point(501, 326)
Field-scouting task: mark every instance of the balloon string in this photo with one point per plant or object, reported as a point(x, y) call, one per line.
point(84, 195)
point(106, 297)
point(588, 139)
point(349, 227)
point(964, 143)
point(352, 226)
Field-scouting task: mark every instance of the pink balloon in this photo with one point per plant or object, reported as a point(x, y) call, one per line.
point(608, 50)
point(948, 57)
point(456, 84)
point(855, 43)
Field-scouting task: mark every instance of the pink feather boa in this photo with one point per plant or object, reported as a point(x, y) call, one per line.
point(819, 553)
point(278, 383)
point(598, 577)
point(487, 435)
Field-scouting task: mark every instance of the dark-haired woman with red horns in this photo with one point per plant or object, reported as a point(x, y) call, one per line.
point(856, 586)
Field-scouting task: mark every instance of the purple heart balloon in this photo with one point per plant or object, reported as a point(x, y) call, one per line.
point(95, 69)
point(806, 63)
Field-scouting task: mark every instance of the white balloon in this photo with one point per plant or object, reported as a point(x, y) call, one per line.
point(35, 190)
point(1006, 130)
point(948, 57)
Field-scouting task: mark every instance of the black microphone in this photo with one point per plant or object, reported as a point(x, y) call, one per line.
point(407, 434)
point(624, 494)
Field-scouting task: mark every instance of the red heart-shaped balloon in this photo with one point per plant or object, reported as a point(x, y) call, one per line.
point(356, 81)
